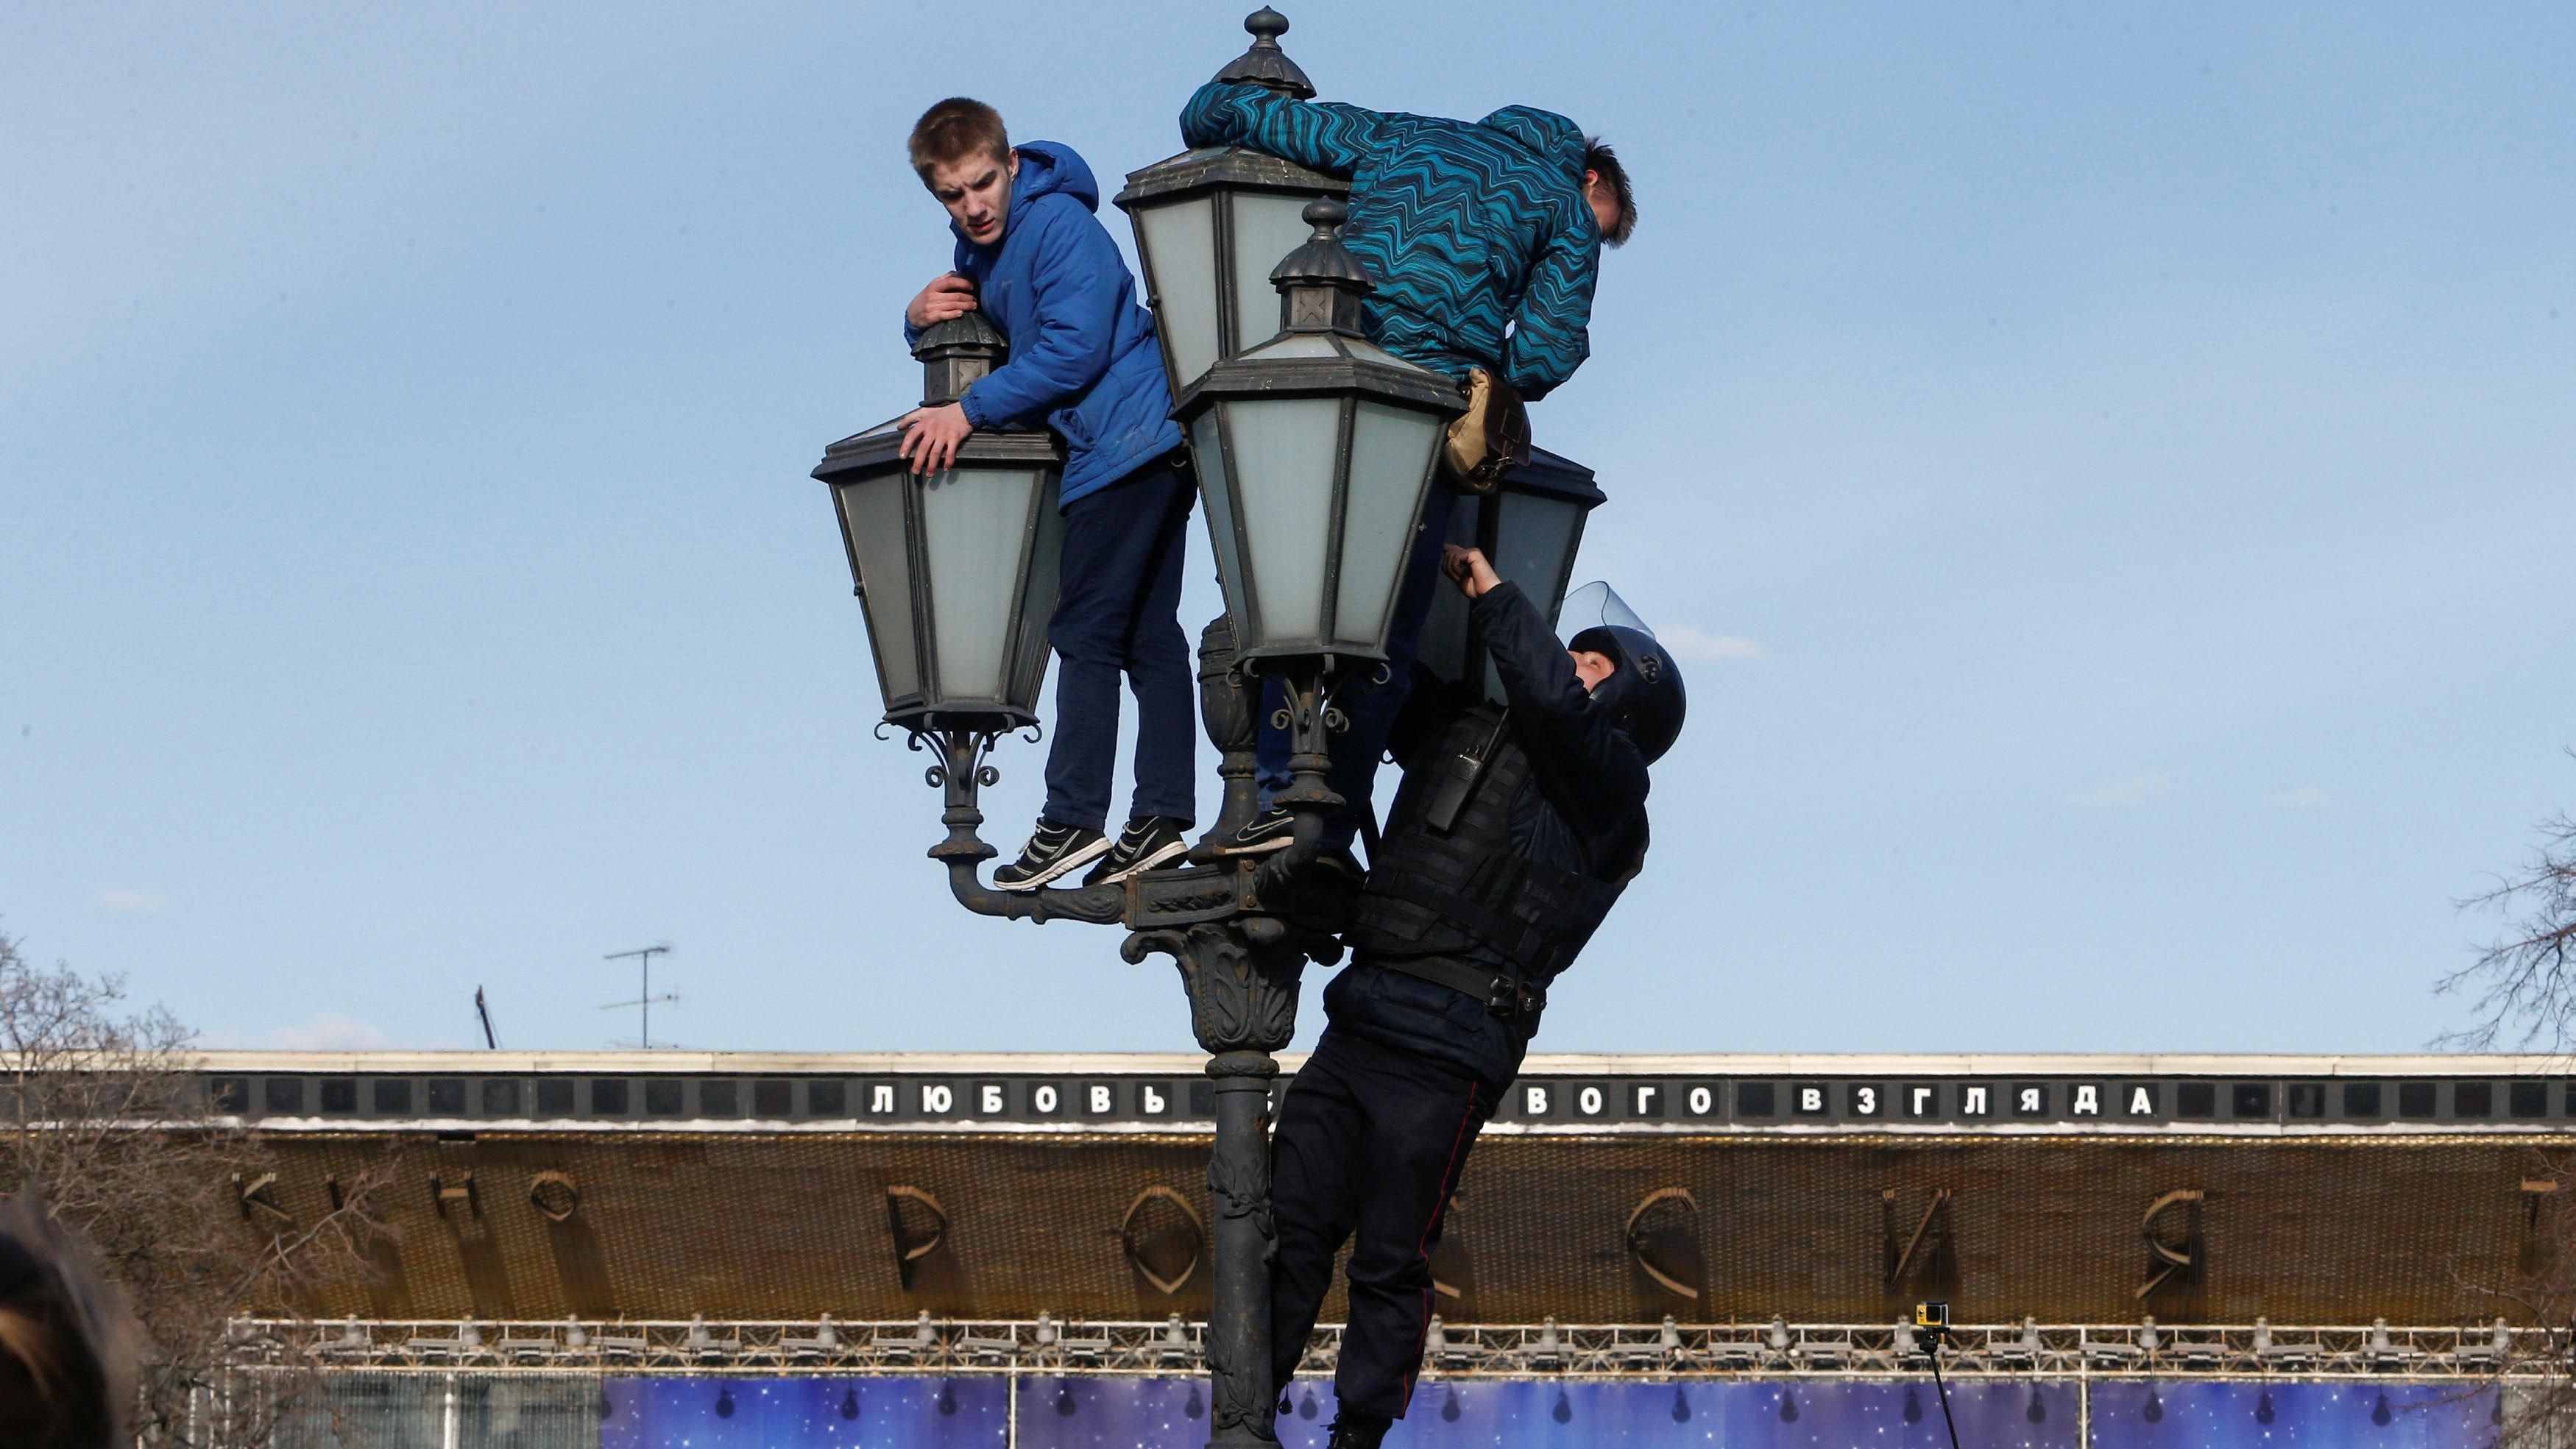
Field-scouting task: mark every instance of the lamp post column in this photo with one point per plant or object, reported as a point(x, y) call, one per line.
point(1241, 972)
point(1243, 1007)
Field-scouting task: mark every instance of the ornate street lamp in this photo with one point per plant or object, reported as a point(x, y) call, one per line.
point(1529, 527)
point(1324, 445)
point(1211, 223)
point(957, 569)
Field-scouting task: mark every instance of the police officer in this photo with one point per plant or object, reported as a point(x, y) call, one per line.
point(1513, 833)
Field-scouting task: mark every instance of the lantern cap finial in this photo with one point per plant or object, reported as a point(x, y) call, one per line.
point(955, 354)
point(1321, 283)
point(965, 330)
point(1265, 64)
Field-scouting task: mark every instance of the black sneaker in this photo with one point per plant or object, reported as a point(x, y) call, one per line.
point(1144, 844)
point(1272, 829)
point(1053, 851)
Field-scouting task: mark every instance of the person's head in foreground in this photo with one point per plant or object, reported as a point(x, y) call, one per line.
point(68, 1347)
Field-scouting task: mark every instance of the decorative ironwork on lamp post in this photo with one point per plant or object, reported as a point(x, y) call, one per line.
point(1317, 448)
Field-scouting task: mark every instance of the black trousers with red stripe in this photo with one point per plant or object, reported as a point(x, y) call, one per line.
point(1370, 1141)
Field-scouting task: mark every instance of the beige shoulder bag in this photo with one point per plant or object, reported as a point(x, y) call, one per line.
point(1492, 435)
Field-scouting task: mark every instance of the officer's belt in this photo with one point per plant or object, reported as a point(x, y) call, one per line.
point(1501, 994)
point(1519, 942)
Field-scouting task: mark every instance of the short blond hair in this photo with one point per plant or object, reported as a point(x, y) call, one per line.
point(956, 128)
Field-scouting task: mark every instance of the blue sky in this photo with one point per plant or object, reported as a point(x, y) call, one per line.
point(2106, 469)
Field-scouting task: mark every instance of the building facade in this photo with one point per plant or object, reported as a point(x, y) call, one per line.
point(706, 1243)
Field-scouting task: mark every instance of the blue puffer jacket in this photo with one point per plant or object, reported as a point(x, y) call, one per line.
point(1465, 229)
point(1084, 361)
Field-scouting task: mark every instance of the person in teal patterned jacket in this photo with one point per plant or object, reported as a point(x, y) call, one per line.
point(1484, 241)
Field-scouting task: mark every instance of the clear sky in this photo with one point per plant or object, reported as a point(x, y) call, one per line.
point(2105, 467)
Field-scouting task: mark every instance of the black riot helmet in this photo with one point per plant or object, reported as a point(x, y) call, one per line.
point(1644, 694)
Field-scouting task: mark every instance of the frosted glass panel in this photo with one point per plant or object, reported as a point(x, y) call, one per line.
point(1442, 645)
point(1301, 344)
point(1283, 460)
point(1037, 604)
point(1367, 351)
point(1538, 535)
point(1390, 467)
point(1179, 242)
point(974, 524)
point(872, 517)
point(1266, 229)
point(1219, 493)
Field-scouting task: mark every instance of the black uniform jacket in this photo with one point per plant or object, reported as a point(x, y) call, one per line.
point(1583, 808)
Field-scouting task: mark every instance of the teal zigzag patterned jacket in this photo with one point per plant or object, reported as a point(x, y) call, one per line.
point(1466, 229)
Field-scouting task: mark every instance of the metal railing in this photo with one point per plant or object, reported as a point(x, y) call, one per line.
point(1777, 1349)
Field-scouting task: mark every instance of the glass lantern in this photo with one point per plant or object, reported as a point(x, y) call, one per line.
point(1315, 452)
point(1211, 223)
point(1530, 528)
point(957, 570)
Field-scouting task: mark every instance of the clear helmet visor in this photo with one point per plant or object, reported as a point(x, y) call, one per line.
point(1597, 606)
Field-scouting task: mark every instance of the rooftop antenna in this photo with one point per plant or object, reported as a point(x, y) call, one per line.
point(484, 1013)
point(645, 997)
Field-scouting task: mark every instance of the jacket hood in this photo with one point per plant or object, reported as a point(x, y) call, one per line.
point(1046, 169)
point(1546, 132)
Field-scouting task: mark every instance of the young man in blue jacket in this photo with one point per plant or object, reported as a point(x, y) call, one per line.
point(1485, 242)
point(1035, 259)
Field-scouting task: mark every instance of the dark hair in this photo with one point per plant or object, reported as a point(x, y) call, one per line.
point(1600, 159)
point(957, 127)
point(53, 1393)
point(69, 1348)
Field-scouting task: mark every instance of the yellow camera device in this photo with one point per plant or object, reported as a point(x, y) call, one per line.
point(1934, 1316)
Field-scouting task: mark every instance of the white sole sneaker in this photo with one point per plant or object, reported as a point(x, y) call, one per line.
point(1276, 839)
point(1058, 868)
point(1172, 850)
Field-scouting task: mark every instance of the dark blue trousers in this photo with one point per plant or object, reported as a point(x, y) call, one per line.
point(1119, 610)
point(1371, 708)
point(1369, 1145)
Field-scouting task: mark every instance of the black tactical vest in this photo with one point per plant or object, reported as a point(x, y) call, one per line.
point(1446, 878)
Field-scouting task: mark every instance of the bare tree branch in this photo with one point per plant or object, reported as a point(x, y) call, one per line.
point(2522, 993)
point(2522, 986)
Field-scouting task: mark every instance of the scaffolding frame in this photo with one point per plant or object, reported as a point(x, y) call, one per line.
point(1176, 1346)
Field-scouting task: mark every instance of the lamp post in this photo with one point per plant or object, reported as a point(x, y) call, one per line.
point(1315, 452)
point(1317, 448)
point(1529, 527)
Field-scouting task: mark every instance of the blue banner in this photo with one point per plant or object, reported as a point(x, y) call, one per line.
point(765, 1413)
point(1171, 1413)
point(2313, 1415)
point(1114, 1413)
